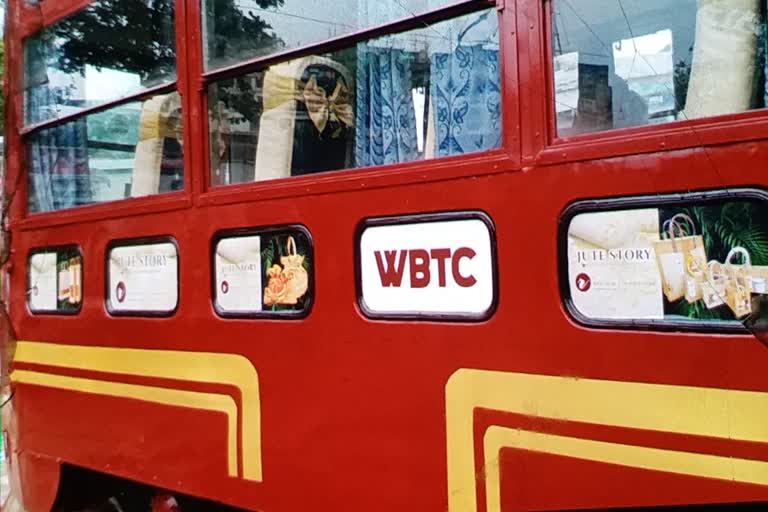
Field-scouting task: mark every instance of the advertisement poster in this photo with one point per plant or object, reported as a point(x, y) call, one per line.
point(238, 274)
point(612, 264)
point(442, 267)
point(143, 278)
point(257, 274)
point(704, 261)
point(43, 281)
point(55, 281)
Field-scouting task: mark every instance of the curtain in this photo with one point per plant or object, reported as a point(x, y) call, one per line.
point(465, 89)
point(58, 156)
point(385, 120)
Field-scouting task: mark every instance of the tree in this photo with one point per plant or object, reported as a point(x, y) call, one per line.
point(138, 37)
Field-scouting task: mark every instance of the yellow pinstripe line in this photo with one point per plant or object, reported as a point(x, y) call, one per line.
point(208, 401)
point(697, 464)
point(722, 413)
point(204, 367)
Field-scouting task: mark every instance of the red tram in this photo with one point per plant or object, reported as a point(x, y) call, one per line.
point(476, 255)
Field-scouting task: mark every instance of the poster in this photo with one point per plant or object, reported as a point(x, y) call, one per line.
point(55, 280)
point(143, 278)
point(42, 281)
point(441, 267)
point(263, 273)
point(704, 261)
point(612, 264)
point(238, 274)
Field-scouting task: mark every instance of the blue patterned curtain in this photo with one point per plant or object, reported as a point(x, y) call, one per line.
point(465, 91)
point(58, 156)
point(385, 123)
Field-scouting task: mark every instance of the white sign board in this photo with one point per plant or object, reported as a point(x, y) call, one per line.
point(438, 268)
point(143, 278)
point(42, 282)
point(238, 274)
point(612, 268)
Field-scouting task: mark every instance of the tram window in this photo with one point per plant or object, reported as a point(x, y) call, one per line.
point(105, 51)
point(414, 95)
point(628, 63)
point(142, 277)
point(238, 30)
point(130, 150)
point(669, 260)
point(263, 272)
point(55, 280)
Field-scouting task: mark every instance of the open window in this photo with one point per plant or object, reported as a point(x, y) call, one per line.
point(618, 64)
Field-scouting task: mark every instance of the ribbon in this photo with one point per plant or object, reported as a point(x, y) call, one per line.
point(321, 108)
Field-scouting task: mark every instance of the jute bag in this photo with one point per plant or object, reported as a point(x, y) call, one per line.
point(293, 267)
point(738, 289)
point(681, 258)
point(713, 288)
point(758, 279)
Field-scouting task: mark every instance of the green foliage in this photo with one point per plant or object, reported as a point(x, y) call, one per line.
point(724, 226)
point(275, 247)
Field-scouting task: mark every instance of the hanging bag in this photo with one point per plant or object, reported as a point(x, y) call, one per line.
point(293, 267)
point(738, 288)
point(713, 288)
point(681, 258)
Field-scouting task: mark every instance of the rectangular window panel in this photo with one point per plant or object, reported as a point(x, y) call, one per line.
point(416, 95)
point(143, 278)
point(628, 63)
point(131, 150)
point(235, 30)
point(55, 280)
point(107, 50)
point(656, 260)
point(263, 272)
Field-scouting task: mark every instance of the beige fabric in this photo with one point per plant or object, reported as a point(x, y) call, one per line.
point(160, 118)
point(723, 65)
point(274, 148)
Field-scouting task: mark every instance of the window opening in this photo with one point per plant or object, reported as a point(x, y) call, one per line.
point(626, 63)
point(419, 94)
point(102, 114)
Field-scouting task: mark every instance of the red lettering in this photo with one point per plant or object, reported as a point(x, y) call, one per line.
point(440, 255)
point(419, 265)
point(463, 281)
point(390, 276)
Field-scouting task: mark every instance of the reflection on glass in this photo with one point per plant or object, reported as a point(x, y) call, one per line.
point(127, 151)
point(107, 50)
point(236, 30)
point(422, 94)
point(621, 64)
point(703, 262)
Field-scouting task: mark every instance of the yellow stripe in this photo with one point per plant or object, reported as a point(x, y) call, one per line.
point(208, 401)
point(722, 413)
point(698, 464)
point(205, 367)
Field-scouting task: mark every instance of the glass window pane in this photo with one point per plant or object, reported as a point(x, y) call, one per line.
point(110, 49)
point(672, 259)
point(422, 94)
point(235, 30)
point(631, 63)
point(127, 151)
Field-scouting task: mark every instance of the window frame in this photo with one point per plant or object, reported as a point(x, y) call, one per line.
point(504, 158)
point(672, 135)
point(43, 249)
point(632, 202)
point(32, 19)
point(262, 231)
point(136, 242)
